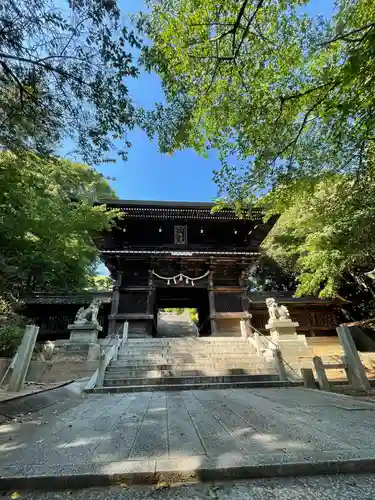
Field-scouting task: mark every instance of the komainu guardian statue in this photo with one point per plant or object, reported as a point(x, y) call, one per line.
point(275, 311)
point(88, 315)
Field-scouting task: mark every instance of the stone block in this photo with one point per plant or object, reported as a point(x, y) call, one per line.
point(79, 350)
point(282, 328)
point(84, 333)
point(281, 323)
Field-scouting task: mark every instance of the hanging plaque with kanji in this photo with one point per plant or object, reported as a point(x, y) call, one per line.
point(180, 235)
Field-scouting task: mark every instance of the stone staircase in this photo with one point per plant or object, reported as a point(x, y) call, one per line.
point(176, 325)
point(188, 363)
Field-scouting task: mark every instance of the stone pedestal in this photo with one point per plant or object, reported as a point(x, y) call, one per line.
point(77, 350)
point(282, 329)
point(83, 340)
point(84, 333)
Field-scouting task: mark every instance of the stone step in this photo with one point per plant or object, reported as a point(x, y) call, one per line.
point(182, 372)
point(182, 352)
point(194, 386)
point(140, 344)
point(179, 354)
point(261, 365)
point(185, 343)
point(195, 348)
point(111, 382)
point(187, 350)
point(117, 368)
point(191, 359)
point(174, 361)
point(189, 340)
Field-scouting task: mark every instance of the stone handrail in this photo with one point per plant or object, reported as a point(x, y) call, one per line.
point(125, 332)
point(107, 356)
point(265, 346)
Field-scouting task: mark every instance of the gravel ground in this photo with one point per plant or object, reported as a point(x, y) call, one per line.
point(339, 487)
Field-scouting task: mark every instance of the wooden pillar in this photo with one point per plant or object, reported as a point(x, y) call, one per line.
point(211, 300)
point(151, 296)
point(114, 304)
point(245, 304)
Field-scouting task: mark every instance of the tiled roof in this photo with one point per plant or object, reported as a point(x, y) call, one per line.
point(177, 210)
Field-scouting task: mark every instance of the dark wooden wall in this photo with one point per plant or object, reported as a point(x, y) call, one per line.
point(313, 320)
point(53, 319)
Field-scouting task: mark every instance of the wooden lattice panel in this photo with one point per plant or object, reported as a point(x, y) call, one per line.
point(322, 318)
point(132, 302)
point(259, 321)
point(228, 302)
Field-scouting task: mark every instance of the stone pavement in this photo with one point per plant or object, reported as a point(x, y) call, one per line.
point(145, 437)
point(338, 487)
point(28, 389)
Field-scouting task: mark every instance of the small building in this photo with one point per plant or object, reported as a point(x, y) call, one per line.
point(53, 313)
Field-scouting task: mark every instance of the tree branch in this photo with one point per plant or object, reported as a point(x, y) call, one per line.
point(74, 32)
point(235, 25)
point(294, 141)
point(17, 80)
point(284, 99)
point(47, 67)
point(252, 17)
point(345, 36)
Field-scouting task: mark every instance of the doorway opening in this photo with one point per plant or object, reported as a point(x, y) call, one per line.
point(182, 306)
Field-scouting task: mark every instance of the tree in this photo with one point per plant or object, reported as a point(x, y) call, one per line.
point(63, 67)
point(261, 81)
point(100, 283)
point(326, 234)
point(270, 275)
point(174, 310)
point(48, 221)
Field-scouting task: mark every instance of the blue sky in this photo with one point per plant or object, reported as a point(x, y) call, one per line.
point(149, 175)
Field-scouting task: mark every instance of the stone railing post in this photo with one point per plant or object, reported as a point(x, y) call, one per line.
point(321, 374)
point(347, 369)
point(308, 378)
point(23, 358)
point(355, 369)
point(279, 362)
point(101, 372)
point(256, 337)
point(243, 329)
point(125, 331)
